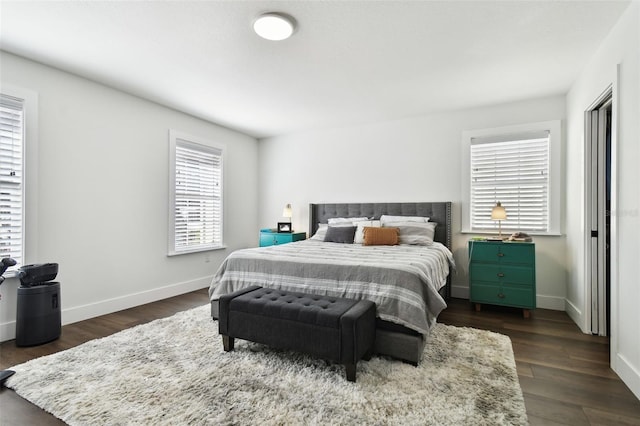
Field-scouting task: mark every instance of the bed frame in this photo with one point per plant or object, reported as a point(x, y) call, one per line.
point(392, 339)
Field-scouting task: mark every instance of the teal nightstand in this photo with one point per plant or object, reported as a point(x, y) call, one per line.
point(503, 273)
point(270, 237)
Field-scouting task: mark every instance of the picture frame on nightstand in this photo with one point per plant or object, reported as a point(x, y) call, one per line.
point(285, 227)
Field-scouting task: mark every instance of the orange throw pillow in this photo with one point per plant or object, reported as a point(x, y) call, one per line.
point(374, 236)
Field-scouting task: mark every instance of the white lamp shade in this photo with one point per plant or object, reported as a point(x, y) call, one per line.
point(287, 212)
point(498, 212)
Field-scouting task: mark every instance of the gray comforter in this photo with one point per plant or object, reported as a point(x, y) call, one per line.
point(403, 281)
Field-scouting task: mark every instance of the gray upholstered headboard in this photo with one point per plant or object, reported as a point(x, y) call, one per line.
point(439, 212)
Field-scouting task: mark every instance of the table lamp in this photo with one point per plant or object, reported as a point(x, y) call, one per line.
point(499, 213)
point(287, 212)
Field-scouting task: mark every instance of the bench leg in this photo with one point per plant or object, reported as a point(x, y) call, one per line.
point(227, 342)
point(351, 372)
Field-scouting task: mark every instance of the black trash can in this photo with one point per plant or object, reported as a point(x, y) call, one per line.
point(38, 317)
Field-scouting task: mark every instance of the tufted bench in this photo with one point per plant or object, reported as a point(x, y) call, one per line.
point(336, 329)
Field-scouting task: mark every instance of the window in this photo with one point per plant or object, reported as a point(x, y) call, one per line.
point(196, 194)
point(516, 173)
point(12, 178)
point(517, 166)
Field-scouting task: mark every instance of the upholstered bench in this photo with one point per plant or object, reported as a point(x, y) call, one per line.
point(336, 329)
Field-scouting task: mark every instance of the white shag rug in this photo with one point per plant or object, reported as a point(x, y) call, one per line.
point(174, 371)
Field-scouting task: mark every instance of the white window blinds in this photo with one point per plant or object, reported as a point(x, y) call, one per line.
point(515, 171)
point(197, 196)
point(11, 177)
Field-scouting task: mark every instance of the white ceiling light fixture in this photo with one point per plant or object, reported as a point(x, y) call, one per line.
point(274, 26)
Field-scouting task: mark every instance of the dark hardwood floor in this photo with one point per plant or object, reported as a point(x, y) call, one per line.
point(564, 374)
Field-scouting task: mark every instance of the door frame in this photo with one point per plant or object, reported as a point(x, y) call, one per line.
point(589, 212)
point(596, 181)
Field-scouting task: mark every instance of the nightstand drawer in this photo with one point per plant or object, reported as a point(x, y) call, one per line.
point(269, 237)
point(503, 252)
point(503, 295)
point(495, 273)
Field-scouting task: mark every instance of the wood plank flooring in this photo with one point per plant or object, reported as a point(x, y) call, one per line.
point(564, 374)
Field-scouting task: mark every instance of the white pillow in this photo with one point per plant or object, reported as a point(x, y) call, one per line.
point(359, 237)
point(321, 232)
point(416, 233)
point(388, 219)
point(345, 220)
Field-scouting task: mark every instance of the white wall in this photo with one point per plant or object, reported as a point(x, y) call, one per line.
point(414, 159)
point(620, 49)
point(103, 191)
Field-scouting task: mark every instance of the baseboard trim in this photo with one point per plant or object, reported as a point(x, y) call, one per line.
point(629, 375)
point(554, 303)
point(103, 307)
point(575, 314)
point(460, 292)
point(545, 302)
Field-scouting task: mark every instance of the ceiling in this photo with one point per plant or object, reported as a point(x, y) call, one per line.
point(349, 62)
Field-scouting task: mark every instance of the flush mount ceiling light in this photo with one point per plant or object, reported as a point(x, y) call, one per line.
point(274, 26)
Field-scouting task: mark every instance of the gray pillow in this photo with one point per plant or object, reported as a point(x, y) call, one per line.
point(340, 234)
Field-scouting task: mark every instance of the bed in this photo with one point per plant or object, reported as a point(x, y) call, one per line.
point(408, 283)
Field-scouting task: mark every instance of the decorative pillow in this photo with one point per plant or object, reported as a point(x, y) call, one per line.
point(345, 220)
point(380, 236)
point(415, 233)
point(385, 218)
point(359, 237)
point(321, 232)
point(340, 234)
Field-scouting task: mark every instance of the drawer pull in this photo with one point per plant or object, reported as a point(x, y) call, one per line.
point(500, 254)
point(501, 295)
point(500, 274)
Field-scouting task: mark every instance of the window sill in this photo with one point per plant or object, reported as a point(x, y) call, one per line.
point(509, 232)
point(196, 250)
